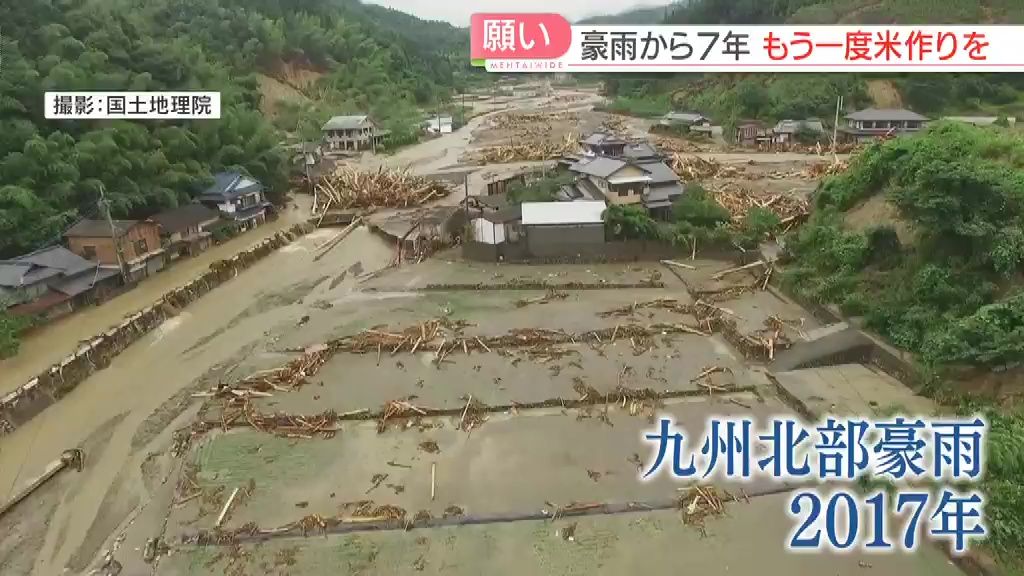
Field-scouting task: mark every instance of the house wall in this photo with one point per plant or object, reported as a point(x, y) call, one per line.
point(353, 139)
point(622, 194)
point(488, 232)
point(887, 125)
point(150, 233)
point(106, 253)
point(547, 241)
point(13, 296)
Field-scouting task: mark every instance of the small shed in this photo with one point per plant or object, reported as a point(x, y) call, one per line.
point(562, 229)
point(438, 125)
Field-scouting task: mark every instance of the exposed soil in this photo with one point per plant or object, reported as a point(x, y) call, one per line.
point(877, 211)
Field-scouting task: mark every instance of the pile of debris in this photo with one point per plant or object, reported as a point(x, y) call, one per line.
point(822, 169)
point(615, 125)
point(763, 343)
point(678, 145)
point(738, 200)
point(288, 377)
point(523, 121)
point(348, 187)
point(549, 296)
point(422, 336)
point(702, 502)
point(532, 149)
point(696, 168)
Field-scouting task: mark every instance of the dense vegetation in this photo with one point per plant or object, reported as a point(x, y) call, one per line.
point(634, 16)
point(370, 59)
point(696, 217)
point(950, 294)
point(951, 289)
point(540, 190)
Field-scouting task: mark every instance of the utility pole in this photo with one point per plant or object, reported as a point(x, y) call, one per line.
point(105, 207)
point(835, 128)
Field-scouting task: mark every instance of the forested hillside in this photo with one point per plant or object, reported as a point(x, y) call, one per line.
point(923, 238)
point(362, 57)
point(776, 96)
point(650, 15)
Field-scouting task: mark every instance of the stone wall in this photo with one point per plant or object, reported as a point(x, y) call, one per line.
point(59, 380)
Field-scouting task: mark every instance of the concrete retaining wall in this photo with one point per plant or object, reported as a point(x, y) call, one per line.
point(578, 253)
point(54, 383)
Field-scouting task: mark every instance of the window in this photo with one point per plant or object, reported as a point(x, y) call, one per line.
point(89, 252)
point(141, 247)
point(623, 193)
point(248, 201)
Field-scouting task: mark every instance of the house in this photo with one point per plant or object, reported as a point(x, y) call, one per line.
point(352, 133)
point(619, 181)
point(751, 133)
point(183, 230)
point(238, 197)
point(787, 131)
point(874, 123)
point(559, 229)
point(603, 144)
point(138, 240)
point(662, 190)
point(438, 125)
point(627, 181)
point(641, 152)
point(52, 282)
point(498, 225)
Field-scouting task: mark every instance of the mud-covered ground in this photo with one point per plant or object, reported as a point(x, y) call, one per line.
point(543, 433)
point(535, 442)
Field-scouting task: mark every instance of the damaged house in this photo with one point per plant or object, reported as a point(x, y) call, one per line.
point(183, 230)
point(133, 243)
point(52, 282)
point(353, 133)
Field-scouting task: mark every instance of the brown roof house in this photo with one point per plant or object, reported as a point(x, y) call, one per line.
point(139, 242)
point(183, 230)
point(51, 282)
point(752, 133)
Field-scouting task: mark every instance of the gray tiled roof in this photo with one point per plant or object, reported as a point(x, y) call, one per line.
point(99, 228)
point(600, 166)
point(12, 273)
point(346, 122)
point(41, 265)
point(598, 138)
point(660, 173)
point(180, 218)
point(663, 195)
point(640, 150)
point(76, 285)
point(898, 114)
